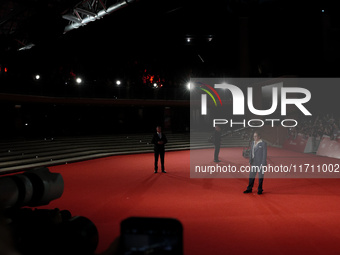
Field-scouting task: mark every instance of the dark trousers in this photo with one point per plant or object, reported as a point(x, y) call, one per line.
point(159, 153)
point(252, 174)
point(217, 151)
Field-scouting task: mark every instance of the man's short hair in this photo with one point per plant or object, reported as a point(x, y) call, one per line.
point(258, 133)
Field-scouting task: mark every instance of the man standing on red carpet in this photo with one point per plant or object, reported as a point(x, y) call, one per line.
point(159, 140)
point(216, 139)
point(257, 159)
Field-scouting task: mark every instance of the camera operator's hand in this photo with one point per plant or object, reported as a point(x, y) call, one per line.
point(113, 249)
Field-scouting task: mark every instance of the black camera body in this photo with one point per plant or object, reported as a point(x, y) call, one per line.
point(42, 231)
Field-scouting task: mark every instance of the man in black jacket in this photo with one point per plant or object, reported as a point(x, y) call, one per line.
point(216, 137)
point(159, 140)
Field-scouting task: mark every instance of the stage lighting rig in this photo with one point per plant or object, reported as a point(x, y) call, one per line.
point(87, 11)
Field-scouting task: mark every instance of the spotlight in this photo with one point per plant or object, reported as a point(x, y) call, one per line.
point(188, 39)
point(188, 86)
point(37, 77)
point(118, 82)
point(79, 80)
point(155, 85)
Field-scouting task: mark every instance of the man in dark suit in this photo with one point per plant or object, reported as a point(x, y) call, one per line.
point(159, 140)
point(216, 138)
point(257, 159)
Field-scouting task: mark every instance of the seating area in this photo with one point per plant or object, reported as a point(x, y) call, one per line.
point(19, 154)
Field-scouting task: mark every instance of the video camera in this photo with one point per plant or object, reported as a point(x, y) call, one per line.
point(42, 231)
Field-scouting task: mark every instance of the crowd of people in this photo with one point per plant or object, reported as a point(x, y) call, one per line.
point(317, 127)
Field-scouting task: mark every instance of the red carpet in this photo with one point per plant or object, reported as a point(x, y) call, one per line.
point(293, 216)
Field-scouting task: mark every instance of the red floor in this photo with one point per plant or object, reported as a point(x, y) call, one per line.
point(293, 216)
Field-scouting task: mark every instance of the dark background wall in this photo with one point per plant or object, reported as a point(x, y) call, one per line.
point(39, 120)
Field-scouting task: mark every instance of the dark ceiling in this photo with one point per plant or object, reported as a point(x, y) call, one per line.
point(227, 37)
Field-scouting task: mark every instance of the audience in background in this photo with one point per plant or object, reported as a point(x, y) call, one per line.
point(317, 127)
point(322, 124)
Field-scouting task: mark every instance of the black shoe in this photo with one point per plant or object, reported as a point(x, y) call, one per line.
point(217, 161)
point(259, 192)
point(247, 191)
point(163, 171)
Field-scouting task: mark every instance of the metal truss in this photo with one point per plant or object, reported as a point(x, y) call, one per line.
point(91, 10)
